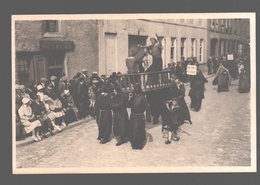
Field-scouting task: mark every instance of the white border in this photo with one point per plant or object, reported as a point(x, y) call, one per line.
point(252, 168)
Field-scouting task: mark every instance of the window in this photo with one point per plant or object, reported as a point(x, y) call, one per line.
point(55, 63)
point(201, 58)
point(173, 50)
point(183, 47)
point(53, 28)
point(23, 62)
point(193, 47)
point(200, 22)
point(191, 21)
point(182, 20)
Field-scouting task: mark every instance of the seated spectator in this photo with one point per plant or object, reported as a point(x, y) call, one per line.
point(57, 110)
point(40, 112)
point(28, 120)
point(71, 111)
point(49, 90)
point(31, 89)
point(40, 90)
point(49, 102)
point(23, 92)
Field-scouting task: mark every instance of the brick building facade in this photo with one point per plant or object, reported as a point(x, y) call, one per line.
point(49, 47)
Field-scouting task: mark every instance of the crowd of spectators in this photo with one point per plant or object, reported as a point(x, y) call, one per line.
point(56, 102)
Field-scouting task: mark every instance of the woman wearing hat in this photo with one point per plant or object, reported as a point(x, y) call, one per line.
point(28, 120)
point(120, 116)
point(172, 119)
point(138, 104)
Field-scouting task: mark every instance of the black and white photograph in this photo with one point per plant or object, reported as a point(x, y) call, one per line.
point(134, 93)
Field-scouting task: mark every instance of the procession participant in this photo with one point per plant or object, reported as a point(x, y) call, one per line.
point(215, 64)
point(197, 90)
point(223, 78)
point(172, 119)
point(28, 120)
point(138, 104)
point(104, 115)
point(243, 84)
point(155, 50)
point(210, 65)
point(178, 91)
point(85, 76)
point(120, 116)
point(39, 110)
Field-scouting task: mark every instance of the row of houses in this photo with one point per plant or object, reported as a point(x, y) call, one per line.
point(49, 47)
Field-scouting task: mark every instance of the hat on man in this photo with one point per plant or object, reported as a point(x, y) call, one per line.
point(174, 99)
point(94, 72)
point(94, 81)
point(103, 76)
point(53, 78)
point(17, 86)
point(66, 91)
point(64, 78)
point(39, 87)
point(25, 100)
point(84, 70)
point(43, 79)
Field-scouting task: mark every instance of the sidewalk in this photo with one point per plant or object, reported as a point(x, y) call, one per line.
point(28, 140)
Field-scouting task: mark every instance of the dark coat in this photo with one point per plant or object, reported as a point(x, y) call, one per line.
point(104, 116)
point(120, 115)
point(197, 86)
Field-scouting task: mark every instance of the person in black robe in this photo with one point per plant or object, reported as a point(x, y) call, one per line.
point(104, 115)
point(172, 119)
point(197, 90)
point(244, 84)
point(138, 104)
point(178, 91)
point(82, 98)
point(120, 116)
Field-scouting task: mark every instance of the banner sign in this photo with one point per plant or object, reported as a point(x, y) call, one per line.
point(230, 57)
point(191, 70)
point(56, 45)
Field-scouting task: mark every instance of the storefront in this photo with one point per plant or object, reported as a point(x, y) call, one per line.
point(44, 63)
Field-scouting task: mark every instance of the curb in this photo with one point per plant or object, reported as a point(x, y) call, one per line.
point(28, 139)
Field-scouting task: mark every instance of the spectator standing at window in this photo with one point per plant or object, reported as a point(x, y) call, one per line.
point(28, 120)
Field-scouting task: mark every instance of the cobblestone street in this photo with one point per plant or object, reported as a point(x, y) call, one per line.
point(219, 137)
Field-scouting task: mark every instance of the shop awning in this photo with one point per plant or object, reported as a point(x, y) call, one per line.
point(47, 45)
